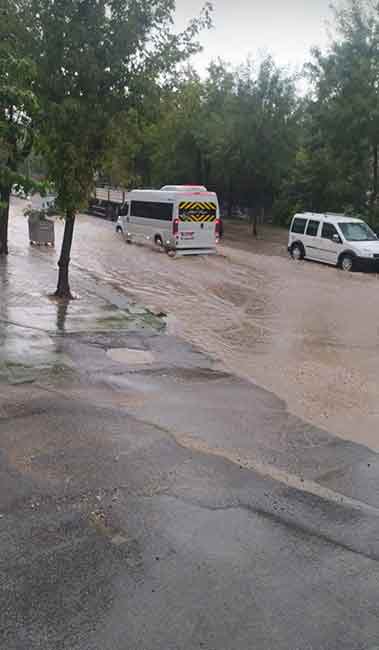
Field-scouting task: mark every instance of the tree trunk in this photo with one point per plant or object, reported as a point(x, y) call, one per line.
point(375, 175)
point(199, 167)
point(4, 218)
point(255, 225)
point(253, 221)
point(230, 199)
point(63, 288)
point(207, 171)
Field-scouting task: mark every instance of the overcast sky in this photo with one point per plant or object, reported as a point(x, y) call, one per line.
point(285, 28)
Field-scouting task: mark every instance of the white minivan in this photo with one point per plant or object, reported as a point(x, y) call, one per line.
point(181, 220)
point(333, 239)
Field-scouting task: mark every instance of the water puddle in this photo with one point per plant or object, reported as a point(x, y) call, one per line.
point(131, 357)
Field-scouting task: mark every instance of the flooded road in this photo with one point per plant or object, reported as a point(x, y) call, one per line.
point(307, 332)
point(132, 465)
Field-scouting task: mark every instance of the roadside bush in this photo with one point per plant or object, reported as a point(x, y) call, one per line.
point(284, 209)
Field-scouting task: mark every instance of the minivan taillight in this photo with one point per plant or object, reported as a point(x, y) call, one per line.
point(175, 226)
point(218, 228)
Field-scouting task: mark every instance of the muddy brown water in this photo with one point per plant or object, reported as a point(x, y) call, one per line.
point(307, 332)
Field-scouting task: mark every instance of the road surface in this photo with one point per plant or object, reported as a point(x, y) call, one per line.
point(165, 501)
point(306, 332)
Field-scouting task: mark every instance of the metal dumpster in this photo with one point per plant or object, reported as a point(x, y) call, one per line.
point(41, 230)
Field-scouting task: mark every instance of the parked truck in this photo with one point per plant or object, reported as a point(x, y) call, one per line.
point(106, 202)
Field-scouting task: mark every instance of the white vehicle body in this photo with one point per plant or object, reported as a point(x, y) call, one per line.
point(44, 203)
point(186, 222)
point(333, 239)
point(184, 188)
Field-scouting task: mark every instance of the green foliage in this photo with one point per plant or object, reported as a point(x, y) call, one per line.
point(18, 107)
point(245, 133)
point(94, 60)
point(235, 132)
point(345, 110)
point(336, 166)
point(176, 137)
point(18, 103)
point(112, 101)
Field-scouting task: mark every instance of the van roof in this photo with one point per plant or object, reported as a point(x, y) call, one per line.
point(166, 194)
point(184, 188)
point(332, 217)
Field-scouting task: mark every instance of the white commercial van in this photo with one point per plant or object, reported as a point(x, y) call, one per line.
point(333, 239)
point(181, 221)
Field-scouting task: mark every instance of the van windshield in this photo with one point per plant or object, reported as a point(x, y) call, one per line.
point(357, 232)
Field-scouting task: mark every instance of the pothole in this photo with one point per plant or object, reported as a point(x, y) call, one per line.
point(129, 356)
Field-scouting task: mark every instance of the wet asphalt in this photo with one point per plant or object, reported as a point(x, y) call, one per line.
point(169, 505)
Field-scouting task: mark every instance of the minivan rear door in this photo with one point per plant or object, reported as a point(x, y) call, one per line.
point(197, 221)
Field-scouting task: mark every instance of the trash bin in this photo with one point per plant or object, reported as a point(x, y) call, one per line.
point(41, 230)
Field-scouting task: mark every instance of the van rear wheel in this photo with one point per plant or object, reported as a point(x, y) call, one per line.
point(297, 252)
point(158, 242)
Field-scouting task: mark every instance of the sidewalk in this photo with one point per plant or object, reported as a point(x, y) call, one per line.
point(32, 324)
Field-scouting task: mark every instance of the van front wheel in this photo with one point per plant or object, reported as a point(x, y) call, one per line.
point(347, 263)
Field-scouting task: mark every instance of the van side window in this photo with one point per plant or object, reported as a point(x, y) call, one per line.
point(312, 228)
point(328, 230)
point(298, 226)
point(152, 210)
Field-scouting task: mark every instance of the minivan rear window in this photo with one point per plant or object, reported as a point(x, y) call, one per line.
point(298, 226)
point(312, 228)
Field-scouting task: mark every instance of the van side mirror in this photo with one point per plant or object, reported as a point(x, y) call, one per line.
point(336, 238)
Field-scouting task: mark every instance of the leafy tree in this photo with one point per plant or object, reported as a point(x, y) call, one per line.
point(344, 110)
point(177, 152)
point(266, 130)
point(93, 61)
point(125, 163)
point(232, 132)
point(129, 159)
point(221, 132)
point(18, 106)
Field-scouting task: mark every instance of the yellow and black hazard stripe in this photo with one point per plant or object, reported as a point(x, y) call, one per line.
point(198, 211)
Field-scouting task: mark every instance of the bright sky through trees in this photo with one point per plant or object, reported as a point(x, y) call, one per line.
point(285, 28)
